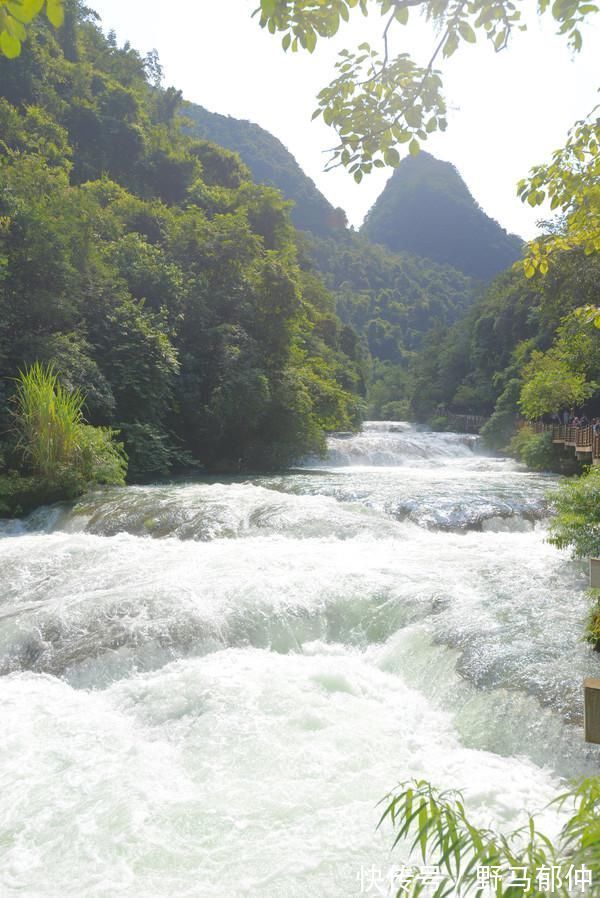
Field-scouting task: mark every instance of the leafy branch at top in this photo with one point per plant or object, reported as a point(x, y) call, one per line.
point(15, 15)
point(571, 182)
point(377, 101)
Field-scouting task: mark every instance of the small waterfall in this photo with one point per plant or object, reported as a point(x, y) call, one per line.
point(393, 443)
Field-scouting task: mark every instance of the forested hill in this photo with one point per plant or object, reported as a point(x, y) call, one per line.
point(270, 163)
point(152, 273)
point(392, 299)
point(427, 209)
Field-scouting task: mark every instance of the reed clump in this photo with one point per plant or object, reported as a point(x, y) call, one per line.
point(56, 444)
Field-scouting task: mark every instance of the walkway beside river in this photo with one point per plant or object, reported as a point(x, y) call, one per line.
point(584, 442)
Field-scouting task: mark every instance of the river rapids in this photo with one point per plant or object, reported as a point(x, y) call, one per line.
point(207, 687)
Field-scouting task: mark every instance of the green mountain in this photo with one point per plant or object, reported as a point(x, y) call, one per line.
point(272, 164)
point(427, 209)
point(391, 299)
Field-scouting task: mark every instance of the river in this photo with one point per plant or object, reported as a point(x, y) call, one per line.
point(207, 687)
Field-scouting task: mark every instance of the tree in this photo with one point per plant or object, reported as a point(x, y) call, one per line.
point(561, 378)
point(571, 183)
point(149, 270)
point(16, 14)
point(551, 386)
point(377, 100)
point(576, 525)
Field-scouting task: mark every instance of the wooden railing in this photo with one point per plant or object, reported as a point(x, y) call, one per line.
point(582, 439)
point(466, 423)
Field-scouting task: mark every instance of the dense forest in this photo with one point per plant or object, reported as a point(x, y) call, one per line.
point(151, 272)
point(270, 163)
point(524, 350)
point(391, 299)
point(427, 209)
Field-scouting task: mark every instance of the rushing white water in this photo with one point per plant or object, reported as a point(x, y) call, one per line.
point(207, 687)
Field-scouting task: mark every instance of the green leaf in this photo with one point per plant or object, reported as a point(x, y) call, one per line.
point(16, 28)
point(413, 117)
point(414, 148)
point(392, 157)
point(55, 12)
point(26, 10)
point(10, 46)
point(466, 32)
point(451, 45)
point(423, 823)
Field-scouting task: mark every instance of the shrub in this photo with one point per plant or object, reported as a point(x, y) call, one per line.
point(439, 423)
point(498, 431)
point(150, 453)
point(577, 521)
point(397, 410)
point(58, 447)
point(100, 458)
point(536, 450)
point(592, 630)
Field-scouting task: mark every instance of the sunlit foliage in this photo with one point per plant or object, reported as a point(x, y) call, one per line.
point(435, 826)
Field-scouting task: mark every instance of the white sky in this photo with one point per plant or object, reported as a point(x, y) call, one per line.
point(508, 110)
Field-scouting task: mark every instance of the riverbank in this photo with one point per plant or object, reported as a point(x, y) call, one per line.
point(20, 495)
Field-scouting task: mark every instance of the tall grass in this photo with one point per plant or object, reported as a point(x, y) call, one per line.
point(474, 861)
point(49, 420)
point(57, 445)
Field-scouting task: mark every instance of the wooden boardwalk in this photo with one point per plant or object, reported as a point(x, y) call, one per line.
point(581, 440)
point(466, 423)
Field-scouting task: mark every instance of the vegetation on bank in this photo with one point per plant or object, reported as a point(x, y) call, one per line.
point(576, 525)
point(155, 277)
point(392, 301)
point(57, 453)
point(523, 350)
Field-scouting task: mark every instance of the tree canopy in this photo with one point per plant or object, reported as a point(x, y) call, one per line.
point(151, 272)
